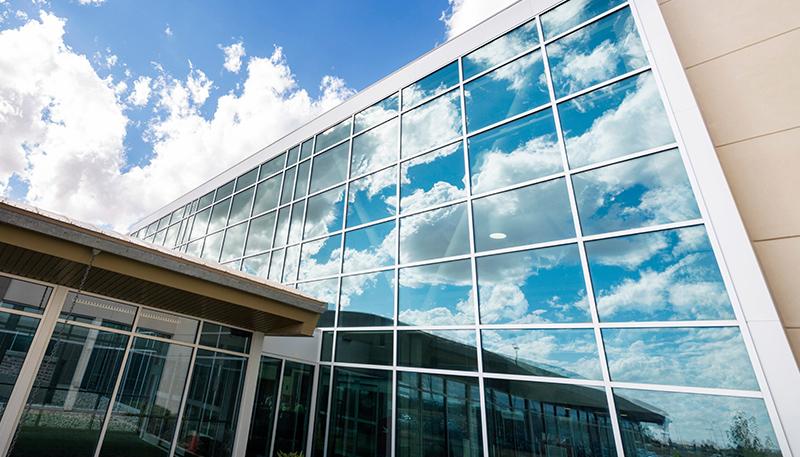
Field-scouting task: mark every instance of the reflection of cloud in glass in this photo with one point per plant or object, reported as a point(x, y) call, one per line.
point(541, 285)
point(646, 191)
point(432, 124)
point(324, 213)
point(439, 294)
point(256, 265)
point(372, 197)
point(375, 148)
point(434, 83)
point(667, 275)
point(325, 290)
point(433, 178)
point(329, 168)
point(441, 349)
point(704, 357)
point(320, 258)
point(290, 263)
point(333, 135)
point(572, 13)
point(367, 299)
point(507, 46)
point(260, 234)
point(442, 232)
point(376, 113)
point(234, 242)
point(370, 247)
point(267, 194)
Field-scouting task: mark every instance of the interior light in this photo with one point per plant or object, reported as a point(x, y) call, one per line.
point(497, 236)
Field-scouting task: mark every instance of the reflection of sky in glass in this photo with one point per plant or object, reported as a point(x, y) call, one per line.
point(293, 155)
point(325, 290)
point(290, 263)
point(439, 233)
point(333, 135)
point(260, 236)
point(595, 53)
point(324, 212)
point(240, 209)
point(200, 223)
point(223, 191)
point(532, 214)
point(234, 242)
point(271, 166)
point(246, 179)
point(212, 246)
point(515, 152)
point(288, 185)
point(439, 294)
point(306, 149)
point(702, 357)
point(367, 300)
point(431, 85)
point(282, 228)
point(296, 222)
point(433, 178)
point(570, 14)
point(276, 265)
point(375, 148)
point(435, 123)
point(515, 87)
point(671, 423)
point(569, 353)
point(320, 258)
point(440, 349)
point(219, 215)
point(302, 179)
point(329, 168)
point(267, 195)
point(541, 285)
point(370, 247)
point(501, 49)
point(257, 265)
point(636, 193)
point(372, 197)
point(376, 113)
point(666, 275)
point(597, 125)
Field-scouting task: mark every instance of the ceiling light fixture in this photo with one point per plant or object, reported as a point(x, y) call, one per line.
point(497, 236)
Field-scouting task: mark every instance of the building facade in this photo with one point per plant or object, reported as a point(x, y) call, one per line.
point(528, 247)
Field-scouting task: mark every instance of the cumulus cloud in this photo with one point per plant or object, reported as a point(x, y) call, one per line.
point(141, 91)
point(464, 14)
point(91, 2)
point(233, 56)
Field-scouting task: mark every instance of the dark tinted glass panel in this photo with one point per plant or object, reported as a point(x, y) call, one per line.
point(597, 125)
point(501, 49)
point(206, 200)
point(98, 311)
point(375, 149)
point(674, 356)
point(439, 294)
point(572, 13)
point(287, 191)
point(541, 285)
point(223, 191)
point(433, 178)
point(272, 166)
point(71, 393)
point(306, 149)
point(321, 418)
point(514, 88)
point(516, 152)
point(144, 416)
point(259, 238)
point(212, 405)
point(233, 245)
point(264, 406)
point(240, 208)
point(433, 124)
point(293, 415)
point(361, 413)
point(439, 233)
point(370, 247)
point(442, 349)
point(367, 300)
point(23, 295)
point(373, 348)
point(438, 416)
point(267, 195)
point(301, 186)
point(560, 353)
point(324, 213)
point(329, 168)
point(666, 275)
point(320, 258)
point(246, 179)
point(666, 424)
point(222, 337)
point(326, 348)
point(433, 84)
point(372, 197)
point(16, 335)
point(523, 418)
point(326, 290)
point(219, 215)
point(332, 136)
point(165, 325)
point(609, 47)
point(532, 214)
point(377, 113)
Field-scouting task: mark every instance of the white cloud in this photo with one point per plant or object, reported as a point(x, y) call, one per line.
point(168, 31)
point(464, 14)
point(91, 2)
point(141, 91)
point(233, 56)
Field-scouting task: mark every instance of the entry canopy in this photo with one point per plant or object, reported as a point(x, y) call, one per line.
point(52, 248)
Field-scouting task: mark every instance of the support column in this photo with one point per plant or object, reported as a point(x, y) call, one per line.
point(248, 395)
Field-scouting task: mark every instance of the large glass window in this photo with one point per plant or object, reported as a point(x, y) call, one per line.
point(267, 193)
point(501, 49)
point(376, 113)
point(439, 233)
point(326, 290)
point(324, 213)
point(240, 208)
point(200, 223)
point(329, 168)
point(301, 187)
point(23, 295)
point(435, 83)
point(572, 13)
point(296, 222)
point(367, 300)
point(371, 348)
point(361, 413)
point(16, 335)
point(272, 166)
point(433, 178)
point(375, 149)
point(321, 417)
point(219, 215)
point(332, 136)
point(442, 349)
point(433, 124)
point(166, 325)
point(212, 246)
point(439, 294)
point(293, 412)
point(370, 247)
point(320, 258)
point(287, 191)
point(264, 406)
point(94, 310)
point(233, 245)
point(259, 238)
point(224, 337)
point(372, 197)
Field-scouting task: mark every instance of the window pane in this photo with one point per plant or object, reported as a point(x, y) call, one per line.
point(515, 152)
point(296, 222)
point(145, 412)
point(246, 179)
point(224, 337)
point(442, 349)
point(377, 113)
point(195, 247)
point(370, 247)
point(288, 185)
point(172, 235)
point(16, 335)
point(373, 348)
point(598, 52)
point(433, 178)
point(200, 223)
point(223, 191)
point(290, 264)
point(234, 242)
point(212, 246)
point(372, 197)
point(572, 13)
point(501, 49)
point(23, 295)
point(264, 405)
point(219, 215)
point(321, 418)
point(321, 258)
point(212, 406)
point(560, 353)
point(435, 123)
point(524, 417)
point(293, 415)
point(166, 325)
point(541, 285)
point(361, 413)
point(702, 357)
point(324, 213)
point(260, 236)
point(333, 135)
point(329, 168)
point(70, 396)
point(439, 233)
point(367, 300)
point(665, 424)
point(98, 311)
point(438, 415)
point(636, 193)
point(272, 166)
point(301, 186)
point(598, 126)
point(326, 348)
point(532, 214)
point(306, 149)
point(516, 87)
point(292, 155)
point(267, 195)
point(375, 149)
point(666, 275)
point(439, 294)
point(257, 265)
point(240, 208)
point(435, 83)
point(204, 201)
point(276, 265)
point(326, 290)
point(282, 228)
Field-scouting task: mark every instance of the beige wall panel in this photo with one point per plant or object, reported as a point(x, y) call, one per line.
point(794, 342)
point(751, 92)
point(703, 30)
point(778, 259)
point(763, 176)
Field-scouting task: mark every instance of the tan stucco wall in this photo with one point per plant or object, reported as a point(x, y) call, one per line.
point(742, 59)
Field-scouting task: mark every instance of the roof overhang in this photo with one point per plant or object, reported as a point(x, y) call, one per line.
point(51, 248)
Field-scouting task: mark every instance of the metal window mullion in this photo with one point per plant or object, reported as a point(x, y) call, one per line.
point(184, 397)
